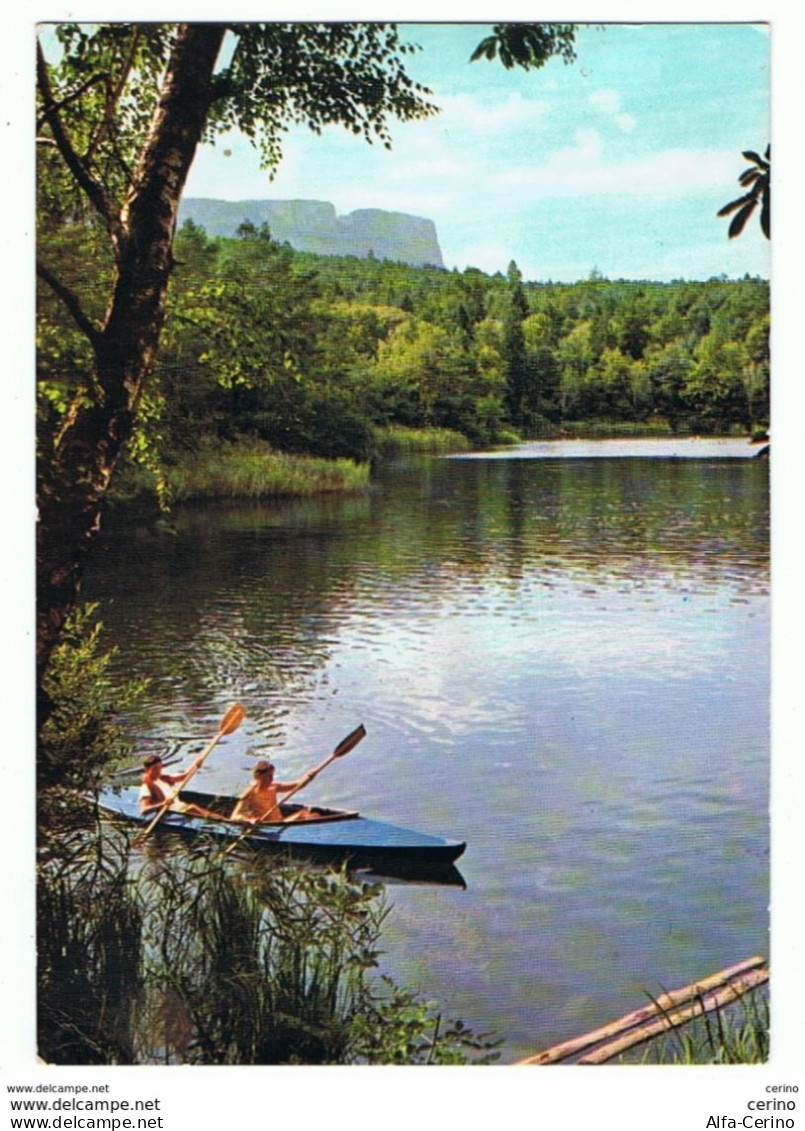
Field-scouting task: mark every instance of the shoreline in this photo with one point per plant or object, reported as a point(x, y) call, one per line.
point(683, 447)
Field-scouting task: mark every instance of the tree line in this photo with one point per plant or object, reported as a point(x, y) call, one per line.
point(313, 353)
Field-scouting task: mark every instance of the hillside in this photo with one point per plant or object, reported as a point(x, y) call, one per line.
point(314, 226)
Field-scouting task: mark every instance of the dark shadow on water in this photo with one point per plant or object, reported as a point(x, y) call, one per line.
point(361, 870)
point(445, 876)
point(260, 860)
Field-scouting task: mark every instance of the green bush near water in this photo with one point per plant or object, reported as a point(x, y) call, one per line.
point(80, 740)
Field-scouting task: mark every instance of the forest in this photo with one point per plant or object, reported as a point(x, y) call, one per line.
point(318, 355)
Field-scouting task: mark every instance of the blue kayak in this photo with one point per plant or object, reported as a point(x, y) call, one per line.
point(329, 834)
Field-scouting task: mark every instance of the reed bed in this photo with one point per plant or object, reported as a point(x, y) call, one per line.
point(396, 440)
point(188, 958)
point(255, 471)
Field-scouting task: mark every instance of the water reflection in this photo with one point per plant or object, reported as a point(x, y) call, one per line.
point(258, 863)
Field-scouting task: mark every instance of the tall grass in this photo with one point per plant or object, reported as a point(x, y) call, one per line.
point(91, 969)
point(397, 440)
point(255, 471)
point(190, 960)
point(733, 1034)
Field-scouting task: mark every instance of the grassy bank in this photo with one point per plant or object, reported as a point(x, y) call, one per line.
point(396, 440)
point(250, 471)
point(637, 429)
point(608, 429)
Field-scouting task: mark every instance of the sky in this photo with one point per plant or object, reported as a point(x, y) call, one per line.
point(616, 163)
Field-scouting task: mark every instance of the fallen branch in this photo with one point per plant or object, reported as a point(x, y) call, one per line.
point(726, 995)
point(658, 1013)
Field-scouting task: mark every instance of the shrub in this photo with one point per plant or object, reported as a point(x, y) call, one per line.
point(81, 739)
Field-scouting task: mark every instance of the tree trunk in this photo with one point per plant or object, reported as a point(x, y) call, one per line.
point(74, 480)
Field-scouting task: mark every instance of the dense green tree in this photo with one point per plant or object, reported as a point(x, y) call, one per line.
point(527, 45)
point(633, 332)
point(610, 383)
point(758, 380)
point(514, 351)
point(575, 357)
point(667, 369)
point(715, 385)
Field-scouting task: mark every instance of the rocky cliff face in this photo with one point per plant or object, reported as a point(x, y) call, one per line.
point(312, 225)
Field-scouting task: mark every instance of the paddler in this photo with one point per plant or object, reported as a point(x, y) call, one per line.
point(260, 800)
point(157, 787)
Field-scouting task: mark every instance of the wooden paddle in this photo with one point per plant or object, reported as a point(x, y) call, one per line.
point(230, 722)
point(344, 747)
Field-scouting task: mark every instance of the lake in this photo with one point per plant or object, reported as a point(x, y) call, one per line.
point(561, 656)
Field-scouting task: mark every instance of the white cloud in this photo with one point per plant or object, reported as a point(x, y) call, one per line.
point(609, 101)
point(581, 170)
point(437, 167)
point(467, 113)
point(488, 256)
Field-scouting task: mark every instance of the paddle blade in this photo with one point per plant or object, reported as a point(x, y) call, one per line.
point(232, 719)
point(350, 742)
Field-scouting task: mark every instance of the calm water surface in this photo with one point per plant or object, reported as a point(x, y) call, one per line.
point(562, 661)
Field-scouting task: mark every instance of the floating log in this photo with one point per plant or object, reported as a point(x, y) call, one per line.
point(726, 995)
point(670, 1009)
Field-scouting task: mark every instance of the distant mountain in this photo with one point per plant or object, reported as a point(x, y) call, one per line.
point(312, 225)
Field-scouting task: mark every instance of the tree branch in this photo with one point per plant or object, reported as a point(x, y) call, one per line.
point(76, 94)
point(113, 99)
point(71, 301)
point(93, 190)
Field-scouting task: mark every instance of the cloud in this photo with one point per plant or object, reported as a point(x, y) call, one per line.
point(468, 113)
point(608, 101)
point(428, 169)
point(582, 170)
point(488, 256)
